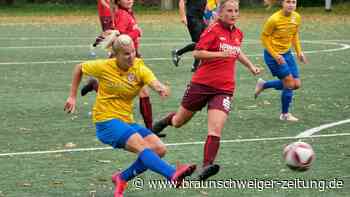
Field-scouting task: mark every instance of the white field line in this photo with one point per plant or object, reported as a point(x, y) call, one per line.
point(312, 131)
point(341, 48)
point(177, 144)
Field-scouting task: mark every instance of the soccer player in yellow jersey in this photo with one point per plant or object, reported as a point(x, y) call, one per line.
point(120, 80)
point(280, 33)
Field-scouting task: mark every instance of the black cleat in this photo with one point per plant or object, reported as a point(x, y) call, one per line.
point(159, 126)
point(175, 57)
point(90, 86)
point(208, 171)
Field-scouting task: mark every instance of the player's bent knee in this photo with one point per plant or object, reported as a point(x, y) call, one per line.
point(160, 150)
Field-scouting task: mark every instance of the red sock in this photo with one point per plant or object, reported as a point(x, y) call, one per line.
point(211, 148)
point(146, 111)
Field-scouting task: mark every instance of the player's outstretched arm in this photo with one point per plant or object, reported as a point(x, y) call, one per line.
point(248, 64)
point(162, 89)
point(69, 106)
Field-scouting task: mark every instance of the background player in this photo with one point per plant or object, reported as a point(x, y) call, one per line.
point(191, 13)
point(280, 33)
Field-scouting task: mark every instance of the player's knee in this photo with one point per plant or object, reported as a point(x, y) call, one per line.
point(297, 85)
point(160, 149)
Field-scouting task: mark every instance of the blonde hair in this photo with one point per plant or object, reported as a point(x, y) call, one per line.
point(223, 2)
point(122, 40)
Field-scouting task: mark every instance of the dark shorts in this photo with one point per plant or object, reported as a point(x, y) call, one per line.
point(197, 96)
point(106, 23)
point(116, 133)
point(195, 27)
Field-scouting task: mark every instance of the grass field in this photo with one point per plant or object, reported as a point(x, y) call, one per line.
point(37, 54)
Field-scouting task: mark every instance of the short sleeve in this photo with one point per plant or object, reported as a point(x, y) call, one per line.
point(93, 68)
point(206, 40)
point(268, 27)
point(146, 74)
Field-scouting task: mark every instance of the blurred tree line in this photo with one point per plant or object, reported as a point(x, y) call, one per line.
point(251, 3)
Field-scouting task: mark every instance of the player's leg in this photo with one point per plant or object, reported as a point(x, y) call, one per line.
point(218, 109)
point(274, 68)
point(152, 142)
point(106, 24)
point(192, 101)
point(91, 85)
point(122, 135)
point(146, 107)
point(196, 33)
point(290, 83)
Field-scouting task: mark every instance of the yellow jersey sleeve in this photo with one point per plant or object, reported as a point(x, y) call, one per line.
point(93, 68)
point(146, 74)
point(266, 36)
point(296, 38)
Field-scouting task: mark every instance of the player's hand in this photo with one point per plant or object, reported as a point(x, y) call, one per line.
point(255, 70)
point(165, 92)
point(69, 106)
point(280, 60)
point(303, 58)
point(184, 20)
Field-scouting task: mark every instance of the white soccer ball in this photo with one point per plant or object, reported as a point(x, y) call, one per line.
point(298, 156)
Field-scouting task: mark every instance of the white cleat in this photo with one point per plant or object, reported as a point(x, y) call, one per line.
point(259, 87)
point(288, 117)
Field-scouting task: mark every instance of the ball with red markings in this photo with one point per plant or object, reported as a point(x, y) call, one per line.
point(298, 156)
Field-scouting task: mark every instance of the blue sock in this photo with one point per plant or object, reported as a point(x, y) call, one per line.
point(277, 84)
point(153, 162)
point(286, 99)
point(135, 169)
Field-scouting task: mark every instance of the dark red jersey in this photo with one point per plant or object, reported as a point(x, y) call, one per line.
point(219, 73)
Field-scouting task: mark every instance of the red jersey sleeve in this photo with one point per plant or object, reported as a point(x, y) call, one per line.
point(207, 40)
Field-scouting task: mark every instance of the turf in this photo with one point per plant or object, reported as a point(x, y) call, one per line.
point(37, 54)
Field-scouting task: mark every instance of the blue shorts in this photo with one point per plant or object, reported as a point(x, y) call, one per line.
point(281, 71)
point(116, 132)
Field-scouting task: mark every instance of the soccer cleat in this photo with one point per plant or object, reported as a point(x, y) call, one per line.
point(193, 68)
point(175, 57)
point(161, 124)
point(120, 185)
point(90, 86)
point(288, 117)
point(181, 172)
point(259, 87)
point(208, 171)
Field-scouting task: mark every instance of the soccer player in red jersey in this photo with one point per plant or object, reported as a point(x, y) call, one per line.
point(214, 81)
point(126, 23)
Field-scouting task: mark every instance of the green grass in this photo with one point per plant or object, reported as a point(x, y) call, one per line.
point(32, 117)
point(56, 9)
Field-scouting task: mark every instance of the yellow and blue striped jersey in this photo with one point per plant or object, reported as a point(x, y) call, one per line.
point(117, 88)
point(280, 32)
